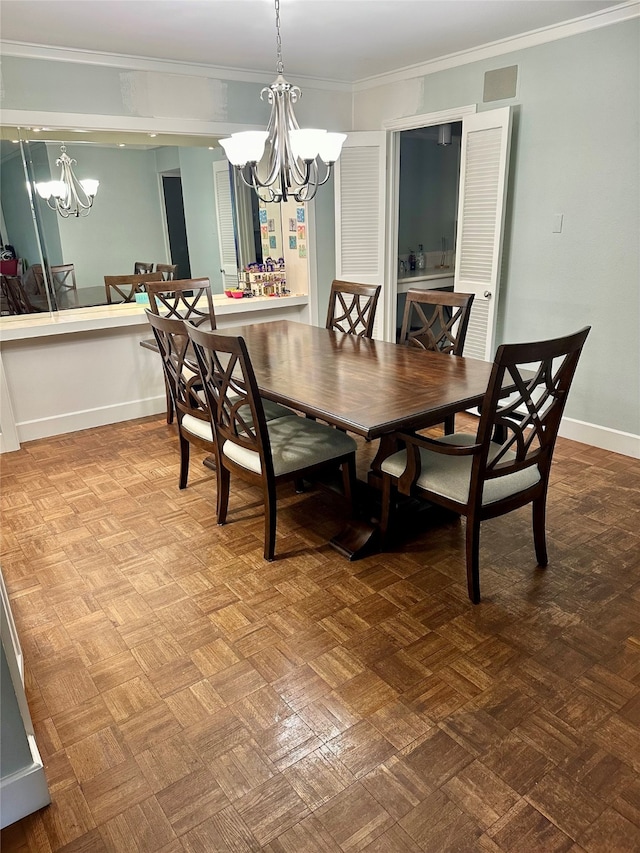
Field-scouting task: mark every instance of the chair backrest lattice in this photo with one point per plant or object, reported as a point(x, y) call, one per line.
point(539, 376)
point(352, 307)
point(126, 286)
point(64, 278)
point(436, 320)
point(169, 271)
point(16, 296)
point(232, 392)
point(186, 299)
point(140, 267)
point(180, 366)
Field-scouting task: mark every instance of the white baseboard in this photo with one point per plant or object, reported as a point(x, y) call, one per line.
point(598, 436)
point(614, 440)
point(74, 421)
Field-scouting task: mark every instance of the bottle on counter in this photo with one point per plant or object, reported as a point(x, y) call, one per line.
point(412, 259)
point(420, 257)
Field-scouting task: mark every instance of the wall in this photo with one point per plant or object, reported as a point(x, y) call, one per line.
point(200, 212)
point(17, 210)
point(574, 152)
point(428, 193)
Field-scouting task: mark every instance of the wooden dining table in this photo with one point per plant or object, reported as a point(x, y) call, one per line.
point(367, 387)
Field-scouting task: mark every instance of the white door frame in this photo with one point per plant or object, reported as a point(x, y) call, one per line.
point(394, 127)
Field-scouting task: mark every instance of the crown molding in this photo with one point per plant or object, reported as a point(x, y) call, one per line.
point(124, 124)
point(25, 50)
point(603, 18)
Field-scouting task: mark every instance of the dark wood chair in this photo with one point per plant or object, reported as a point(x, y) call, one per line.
point(169, 271)
point(188, 299)
point(266, 453)
point(481, 478)
point(16, 296)
point(352, 307)
point(183, 382)
point(126, 286)
point(436, 320)
point(140, 267)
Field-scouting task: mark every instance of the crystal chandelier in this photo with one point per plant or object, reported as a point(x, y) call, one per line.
point(292, 167)
point(69, 196)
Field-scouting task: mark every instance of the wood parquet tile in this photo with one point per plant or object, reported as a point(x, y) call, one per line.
point(188, 697)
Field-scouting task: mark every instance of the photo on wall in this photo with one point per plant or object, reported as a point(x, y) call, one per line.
point(292, 224)
point(302, 232)
point(302, 250)
point(300, 214)
point(272, 242)
point(293, 242)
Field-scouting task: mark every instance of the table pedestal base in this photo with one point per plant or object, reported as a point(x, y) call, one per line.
point(358, 539)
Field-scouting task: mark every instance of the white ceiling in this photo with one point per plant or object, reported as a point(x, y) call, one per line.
point(343, 40)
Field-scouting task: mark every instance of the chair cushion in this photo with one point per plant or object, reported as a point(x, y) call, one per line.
point(450, 476)
point(199, 428)
point(296, 443)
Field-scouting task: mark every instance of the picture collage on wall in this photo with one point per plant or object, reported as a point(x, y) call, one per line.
point(300, 228)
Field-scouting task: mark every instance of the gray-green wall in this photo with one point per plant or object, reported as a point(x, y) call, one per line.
point(574, 152)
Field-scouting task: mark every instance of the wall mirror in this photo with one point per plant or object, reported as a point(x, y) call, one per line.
point(156, 204)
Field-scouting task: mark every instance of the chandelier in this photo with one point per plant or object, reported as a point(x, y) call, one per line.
point(69, 196)
point(292, 167)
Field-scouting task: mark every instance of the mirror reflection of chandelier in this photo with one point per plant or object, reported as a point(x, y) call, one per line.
point(69, 196)
point(292, 168)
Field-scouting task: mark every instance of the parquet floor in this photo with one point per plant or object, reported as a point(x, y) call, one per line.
point(189, 697)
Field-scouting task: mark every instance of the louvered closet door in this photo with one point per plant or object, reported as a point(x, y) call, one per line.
point(481, 204)
point(226, 231)
point(360, 193)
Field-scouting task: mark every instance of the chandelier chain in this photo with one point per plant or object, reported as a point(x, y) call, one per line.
point(279, 63)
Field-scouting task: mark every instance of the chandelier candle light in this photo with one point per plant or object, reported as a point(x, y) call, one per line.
point(292, 166)
point(69, 196)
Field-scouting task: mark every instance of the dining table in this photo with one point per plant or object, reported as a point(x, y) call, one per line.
point(368, 387)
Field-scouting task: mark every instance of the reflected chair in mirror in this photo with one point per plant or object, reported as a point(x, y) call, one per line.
point(38, 278)
point(436, 320)
point(187, 299)
point(140, 267)
point(123, 288)
point(16, 296)
point(182, 380)
point(169, 271)
point(64, 281)
point(352, 308)
point(265, 453)
point(481, 478)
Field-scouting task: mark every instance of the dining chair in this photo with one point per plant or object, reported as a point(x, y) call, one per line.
point(16, 296)
point(169, 271)
point(479, 477)
point(352, 307)
point(187, 299)
point(140, 267)
point(64, 278)
point(266, 453)
point(183, 383)
point(37, 274)
point(436, 320)
point(126, 286)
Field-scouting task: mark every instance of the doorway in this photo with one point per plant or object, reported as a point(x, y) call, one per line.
point(176, 226)
point(428, 185)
